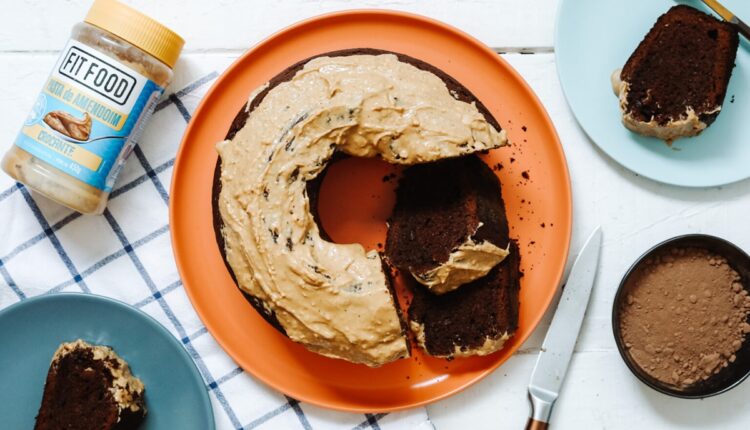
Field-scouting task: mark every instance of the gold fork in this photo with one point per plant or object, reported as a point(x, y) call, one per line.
point(729, 16)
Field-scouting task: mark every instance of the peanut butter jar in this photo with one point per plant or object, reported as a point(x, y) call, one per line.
point(93, 107)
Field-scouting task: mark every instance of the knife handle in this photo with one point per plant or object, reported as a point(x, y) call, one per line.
point(541, 408)
point(533, 424)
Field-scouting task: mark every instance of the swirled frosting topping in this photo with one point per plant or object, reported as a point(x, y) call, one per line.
point(333, 298)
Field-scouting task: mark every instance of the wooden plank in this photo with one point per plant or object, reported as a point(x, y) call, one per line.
point(238, 24)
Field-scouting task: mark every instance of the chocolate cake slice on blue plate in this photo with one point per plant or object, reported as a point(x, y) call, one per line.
point(675, 82)
point(90, 387)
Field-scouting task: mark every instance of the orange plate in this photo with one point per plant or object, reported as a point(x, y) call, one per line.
point(355, 202)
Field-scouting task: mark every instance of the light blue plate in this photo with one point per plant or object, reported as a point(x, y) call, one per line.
point(31, 331)
point(595, 37)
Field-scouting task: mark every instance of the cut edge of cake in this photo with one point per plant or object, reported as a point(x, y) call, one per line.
point(482, 315)
point(455, 341)
point(490, 345)
point(445, 241)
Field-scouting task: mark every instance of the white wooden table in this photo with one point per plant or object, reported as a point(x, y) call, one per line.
point(635, 212)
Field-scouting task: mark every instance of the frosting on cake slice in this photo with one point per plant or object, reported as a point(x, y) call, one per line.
point(90, 387)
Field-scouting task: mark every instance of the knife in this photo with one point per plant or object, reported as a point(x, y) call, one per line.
point(552, 364)
point(729, 16)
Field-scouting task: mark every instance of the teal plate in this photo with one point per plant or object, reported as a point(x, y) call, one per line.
point(595, 37)
point(31, 331)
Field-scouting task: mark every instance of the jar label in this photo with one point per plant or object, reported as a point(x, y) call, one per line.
point(89, 115)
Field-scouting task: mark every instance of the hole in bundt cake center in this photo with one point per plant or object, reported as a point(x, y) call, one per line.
point(356, 198)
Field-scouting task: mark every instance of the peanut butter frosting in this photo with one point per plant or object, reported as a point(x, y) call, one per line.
point(333, 298)
point(126, 389)
point(468, 262)
point(688, 124)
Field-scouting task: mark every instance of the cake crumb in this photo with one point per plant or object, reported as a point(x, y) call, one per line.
point(388, 177)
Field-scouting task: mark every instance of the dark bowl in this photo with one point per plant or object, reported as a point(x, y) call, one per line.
point(730, 376)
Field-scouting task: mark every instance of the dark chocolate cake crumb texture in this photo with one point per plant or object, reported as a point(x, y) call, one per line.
point(686, 60)
point(465, 318)
point(436, 206)
point(439, 205)
point(77, 396)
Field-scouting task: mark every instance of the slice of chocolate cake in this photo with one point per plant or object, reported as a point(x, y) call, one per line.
point(439, 205)
point(449, 226)
point(90, 387)
point(476, 319)
point(674, 83)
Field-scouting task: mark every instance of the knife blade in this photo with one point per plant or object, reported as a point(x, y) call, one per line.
point(557, 348)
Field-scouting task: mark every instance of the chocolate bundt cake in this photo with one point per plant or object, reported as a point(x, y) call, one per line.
point(674, 84)
point(335, 299)
point(90, 387)
point(438, 206)
point(446, 229)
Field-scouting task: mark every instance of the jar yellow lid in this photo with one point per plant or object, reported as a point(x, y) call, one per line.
point(136, 28)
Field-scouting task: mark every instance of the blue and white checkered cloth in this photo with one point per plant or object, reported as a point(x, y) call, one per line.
point(126, 254)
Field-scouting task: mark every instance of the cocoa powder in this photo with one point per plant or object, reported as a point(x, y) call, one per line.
point(684, 316)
